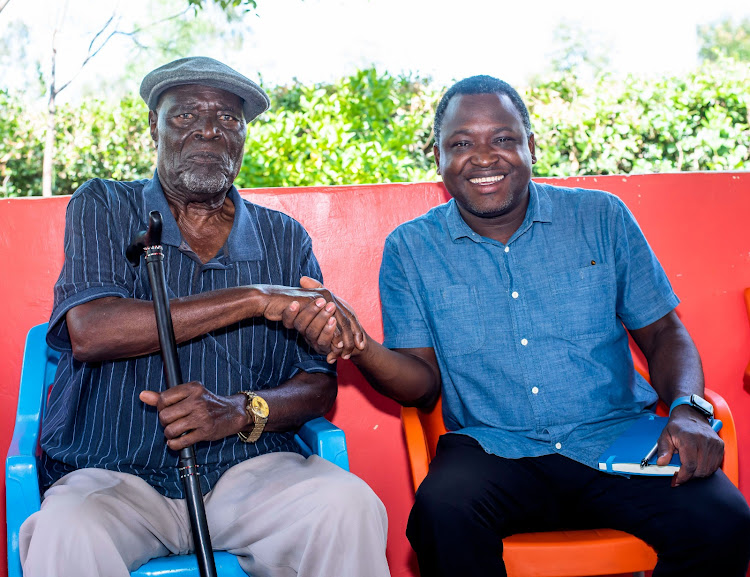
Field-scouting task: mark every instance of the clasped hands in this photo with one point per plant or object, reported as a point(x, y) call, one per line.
point(327, 323)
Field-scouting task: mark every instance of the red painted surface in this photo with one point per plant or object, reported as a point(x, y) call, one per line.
point(696, 224)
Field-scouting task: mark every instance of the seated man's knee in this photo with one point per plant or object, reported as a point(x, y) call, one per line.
point(350, 501)
point(445, 500)
point(729, 533)
point(715, 525)
point(68, 520)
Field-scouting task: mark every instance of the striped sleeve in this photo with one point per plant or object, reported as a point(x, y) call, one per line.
point(95, 265)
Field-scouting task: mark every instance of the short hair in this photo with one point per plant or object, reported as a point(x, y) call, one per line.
point(481, 84)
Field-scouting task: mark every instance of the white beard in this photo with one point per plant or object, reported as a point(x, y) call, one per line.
point(205, 182)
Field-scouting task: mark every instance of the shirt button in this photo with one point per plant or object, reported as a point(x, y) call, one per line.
point(558, 446)
point(514, 294)
point(524, 342)
point(535, 390)
point(507, 249)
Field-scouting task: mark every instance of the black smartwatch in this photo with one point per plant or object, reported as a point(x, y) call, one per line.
point(697, 402)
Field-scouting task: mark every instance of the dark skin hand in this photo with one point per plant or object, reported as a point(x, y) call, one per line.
point(189, 413)
point(409, 376)
point(675, 369)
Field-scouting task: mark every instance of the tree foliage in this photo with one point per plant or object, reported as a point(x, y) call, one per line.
point(725, 39)
point(94, 139)
point(375, 127)
point(232, 8)
point(690, 123)
point(366, 128)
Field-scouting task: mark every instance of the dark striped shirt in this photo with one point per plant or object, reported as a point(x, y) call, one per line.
point(94, 417)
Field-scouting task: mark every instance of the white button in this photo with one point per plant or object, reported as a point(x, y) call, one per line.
point(524, 342)
point(514, 294)
point(535, 390)
point(507, 249)
point(558, 446)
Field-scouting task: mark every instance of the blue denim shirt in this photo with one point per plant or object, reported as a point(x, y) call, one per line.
point(530, 336)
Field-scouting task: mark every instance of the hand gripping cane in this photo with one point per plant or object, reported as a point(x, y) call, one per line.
point(149, 241)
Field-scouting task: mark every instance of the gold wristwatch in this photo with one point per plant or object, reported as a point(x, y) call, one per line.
point(256, 408)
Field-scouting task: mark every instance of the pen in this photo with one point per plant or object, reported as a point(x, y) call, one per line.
point(716, 425)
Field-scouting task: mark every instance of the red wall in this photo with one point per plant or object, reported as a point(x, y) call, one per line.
point(695, 223)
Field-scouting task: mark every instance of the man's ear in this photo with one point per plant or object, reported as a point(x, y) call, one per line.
point(436, 152)
point(153, 119)
point(532, 148)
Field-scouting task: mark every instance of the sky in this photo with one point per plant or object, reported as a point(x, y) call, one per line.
point(323, 40)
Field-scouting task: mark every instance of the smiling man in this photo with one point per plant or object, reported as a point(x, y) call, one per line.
point(514, 300)
point(110, 439)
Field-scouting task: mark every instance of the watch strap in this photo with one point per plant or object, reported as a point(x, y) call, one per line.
point(688, 400)
point(259, 422)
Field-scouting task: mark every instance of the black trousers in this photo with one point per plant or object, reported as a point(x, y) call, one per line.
point(470, 500)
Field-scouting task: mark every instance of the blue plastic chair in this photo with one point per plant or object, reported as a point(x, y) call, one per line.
point(22, 491)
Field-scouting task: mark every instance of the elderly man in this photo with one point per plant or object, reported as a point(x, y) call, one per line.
point(110, 439)
point(515, 300)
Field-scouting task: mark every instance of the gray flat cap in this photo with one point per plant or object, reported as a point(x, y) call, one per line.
point(207, 72)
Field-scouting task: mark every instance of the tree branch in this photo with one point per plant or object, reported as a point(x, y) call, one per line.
point(132, 34)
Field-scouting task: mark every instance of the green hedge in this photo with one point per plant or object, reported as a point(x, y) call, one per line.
point(690, 123)
point(375, 127)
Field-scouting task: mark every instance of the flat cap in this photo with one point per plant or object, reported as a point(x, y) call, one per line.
point(207, 72)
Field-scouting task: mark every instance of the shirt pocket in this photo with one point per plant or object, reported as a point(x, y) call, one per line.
point(458, 326)
point(584, 302)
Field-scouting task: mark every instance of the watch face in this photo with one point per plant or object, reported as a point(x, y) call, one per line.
point(702, 405)
point(259, 407)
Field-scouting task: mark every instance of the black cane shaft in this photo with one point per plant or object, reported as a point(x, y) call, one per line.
point(173, 376)
point(197, 512)
point(164, 327)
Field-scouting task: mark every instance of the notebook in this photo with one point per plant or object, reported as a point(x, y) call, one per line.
point(625, 454)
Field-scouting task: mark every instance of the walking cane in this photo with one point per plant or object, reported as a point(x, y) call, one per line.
point(149, 241)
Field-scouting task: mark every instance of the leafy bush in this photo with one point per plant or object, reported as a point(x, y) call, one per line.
point(99, 140)
point(366, 128)
point(21, 147)
point(373, 127)
point(696, 122)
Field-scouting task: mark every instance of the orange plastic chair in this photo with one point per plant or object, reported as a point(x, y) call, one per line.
point(747, 368)
point(560, 553)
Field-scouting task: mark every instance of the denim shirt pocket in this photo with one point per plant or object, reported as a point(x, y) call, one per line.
point(457, 320)
point(585, 301)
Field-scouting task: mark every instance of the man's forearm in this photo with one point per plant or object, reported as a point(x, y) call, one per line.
point(673, 361)
point(676, 369)
point(303, 397)
point(408, 376)
point(113, 327)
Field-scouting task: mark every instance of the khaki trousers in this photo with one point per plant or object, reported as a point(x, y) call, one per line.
point(281, 514)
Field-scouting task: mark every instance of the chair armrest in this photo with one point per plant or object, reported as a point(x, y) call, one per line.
point(323, 438)
point(728, 434)
point(21, 500)
point(21, 477)
point(416, 445)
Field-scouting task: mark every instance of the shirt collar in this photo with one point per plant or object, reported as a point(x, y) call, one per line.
point(243, 243)
point(539, 210)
